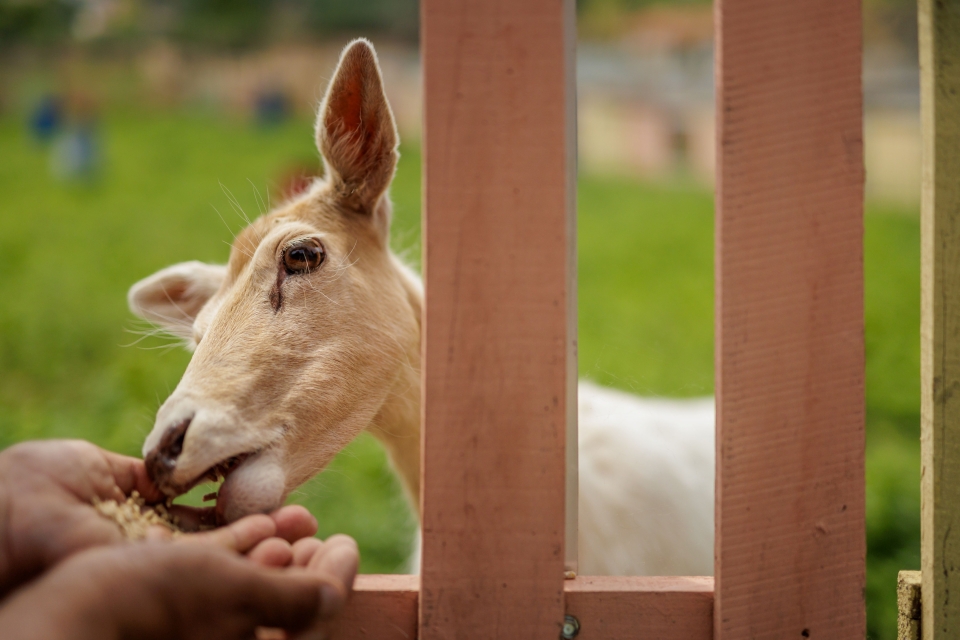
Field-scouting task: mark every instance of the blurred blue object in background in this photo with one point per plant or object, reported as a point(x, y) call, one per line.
point(76, 155)
point(46, 119)
point(271, 107)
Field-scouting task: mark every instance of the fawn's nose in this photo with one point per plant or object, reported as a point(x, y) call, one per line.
point(162, 460)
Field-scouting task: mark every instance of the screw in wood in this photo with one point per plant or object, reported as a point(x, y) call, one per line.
point(570, 629)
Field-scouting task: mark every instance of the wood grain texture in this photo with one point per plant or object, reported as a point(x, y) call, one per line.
point(497, 255)
point(909, 605)
point(381, 608)
point(572, 507)
point(939, 24)
point(790, 541)
point(652, 608)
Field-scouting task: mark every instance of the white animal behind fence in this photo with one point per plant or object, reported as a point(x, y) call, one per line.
point(311, 335)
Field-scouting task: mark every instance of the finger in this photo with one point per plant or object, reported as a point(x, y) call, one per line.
point(338, 557)
point(86, 530)
point(241, 536)
point(294, 522)
point(272, 552)
point(195, 580)
point(88, 471)
point(336, 563)
point(158, 533)
point(193, 518)
point(304, 549)
point(130, 474)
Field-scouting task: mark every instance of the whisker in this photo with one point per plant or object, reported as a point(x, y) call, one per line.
point(260, 203)
point(235, 204)
point(232, 233)
point(239, 248)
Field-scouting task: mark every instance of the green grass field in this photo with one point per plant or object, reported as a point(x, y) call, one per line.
point(72, 364)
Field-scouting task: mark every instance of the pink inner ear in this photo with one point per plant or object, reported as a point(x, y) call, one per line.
point(356, 132)
point(346, 105)
point(170, 293)
point(346, 110)
point(349, 103)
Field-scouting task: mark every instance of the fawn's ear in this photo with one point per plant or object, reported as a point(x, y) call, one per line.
point(356, 133)
point(173, 297)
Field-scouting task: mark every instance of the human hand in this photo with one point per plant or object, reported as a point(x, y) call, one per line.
point(184, 590)
point(46, 491)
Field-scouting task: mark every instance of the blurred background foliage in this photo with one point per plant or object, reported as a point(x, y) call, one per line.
point(224, 23)
point(138, 133)
point(206, 23)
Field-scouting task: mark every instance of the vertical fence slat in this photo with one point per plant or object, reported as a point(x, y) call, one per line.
point(939, 24)
point(572, 516)
point(498, 254)
point(789, 342)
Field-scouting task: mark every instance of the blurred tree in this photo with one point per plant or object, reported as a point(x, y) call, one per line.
point(35, 21)
point(227, 24)
point(633, 5)
point(398, 18)
point(222, 23)
point(247, 23)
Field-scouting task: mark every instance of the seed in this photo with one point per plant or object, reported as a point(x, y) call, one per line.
point(135, 518)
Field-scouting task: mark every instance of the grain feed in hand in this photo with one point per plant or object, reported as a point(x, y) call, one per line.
point(135, 518)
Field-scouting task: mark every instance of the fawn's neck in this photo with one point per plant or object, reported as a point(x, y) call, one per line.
point(397, 425)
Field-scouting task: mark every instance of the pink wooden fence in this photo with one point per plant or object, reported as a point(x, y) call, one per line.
point(499, 375)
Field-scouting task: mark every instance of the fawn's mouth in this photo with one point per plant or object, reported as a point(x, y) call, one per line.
point(215, 474)
point(222, 469)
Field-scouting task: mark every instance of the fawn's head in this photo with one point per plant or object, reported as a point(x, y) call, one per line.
point(306, 331)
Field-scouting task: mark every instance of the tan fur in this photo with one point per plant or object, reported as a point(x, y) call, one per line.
point(295, 383)
point(292, 373)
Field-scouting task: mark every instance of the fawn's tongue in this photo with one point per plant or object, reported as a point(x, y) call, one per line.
point(257, 485)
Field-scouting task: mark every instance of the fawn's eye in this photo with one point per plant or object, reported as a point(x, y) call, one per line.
point(303, 257)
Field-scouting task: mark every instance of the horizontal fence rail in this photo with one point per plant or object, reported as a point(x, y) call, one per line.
point(607, 608)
